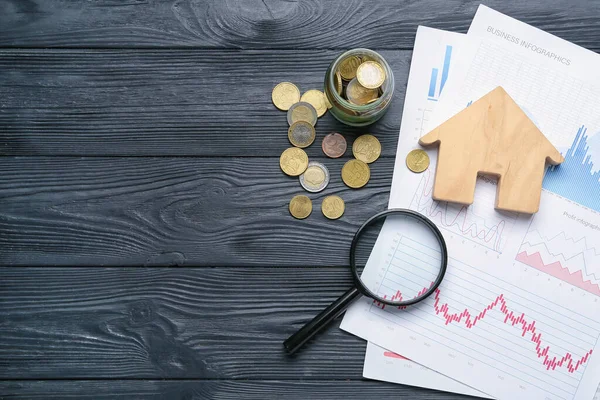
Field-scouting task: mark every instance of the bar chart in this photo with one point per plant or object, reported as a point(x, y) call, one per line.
point(437, 80)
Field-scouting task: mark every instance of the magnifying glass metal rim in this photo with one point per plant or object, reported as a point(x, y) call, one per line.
point(365, 291)
point(321, 320)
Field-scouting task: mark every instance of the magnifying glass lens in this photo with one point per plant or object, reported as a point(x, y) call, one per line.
point(398, 258)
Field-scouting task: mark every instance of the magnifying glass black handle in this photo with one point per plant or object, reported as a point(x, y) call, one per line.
point(297, 340)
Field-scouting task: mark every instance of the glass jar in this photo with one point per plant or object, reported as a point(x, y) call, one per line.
point(352, 114)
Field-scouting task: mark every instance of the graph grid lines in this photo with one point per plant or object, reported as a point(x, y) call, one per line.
point(485, 228)
point(499, 318)
point(569, 259)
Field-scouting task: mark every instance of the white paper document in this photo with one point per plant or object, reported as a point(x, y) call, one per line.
point(517, 315)
point(384, 365)
point(431, 66)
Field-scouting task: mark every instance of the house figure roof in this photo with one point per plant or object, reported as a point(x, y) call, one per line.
point(492, 136)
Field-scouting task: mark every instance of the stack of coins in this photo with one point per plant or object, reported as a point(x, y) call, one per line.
point(302, 114)
point(359, 80)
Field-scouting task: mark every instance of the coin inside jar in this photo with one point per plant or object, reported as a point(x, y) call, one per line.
point(316, 98)
point(337, 82)
point(301, 134)
point(284, 95)
point(370, 74)
point(302, 111)
point(358, 94)
point(293, 161)
point(315, 178)
point(348, 67)
point(300, 206)
point(333, 207)
point(334, 145)
point(366, 148)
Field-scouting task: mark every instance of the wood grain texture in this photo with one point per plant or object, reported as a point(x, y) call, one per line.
point(167, 102)
point(175, 211)
point(490, 137)
point(259, 24)
point(209, 323)
point(221, 389)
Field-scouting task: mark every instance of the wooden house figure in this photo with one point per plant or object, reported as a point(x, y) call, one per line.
point(492, 136)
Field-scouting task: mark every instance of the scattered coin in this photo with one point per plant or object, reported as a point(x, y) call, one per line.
point(302, 111)
point(356, 174)
point(316, 98)
point(366, 148)
point(293, 161)
point(358, 94)
point(417, 160)
point(327, 102)
point(334, 145)
point(300, 206)
point(285, 95)
point(333, 207)
point(315, 178)
point(348, 67)
point(301, 134)
point(370, 74)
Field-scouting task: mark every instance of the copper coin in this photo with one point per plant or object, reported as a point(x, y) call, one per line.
point(334, 145)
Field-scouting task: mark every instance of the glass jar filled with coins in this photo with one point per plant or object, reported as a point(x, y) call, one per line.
point(359, 86)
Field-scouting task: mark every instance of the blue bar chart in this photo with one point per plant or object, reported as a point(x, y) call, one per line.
point(435, 87)
point(575, 178)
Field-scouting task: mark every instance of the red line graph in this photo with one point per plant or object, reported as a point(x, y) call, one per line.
point(440, 209)
point(558, 271)
point(469, 321)
point(391, 354)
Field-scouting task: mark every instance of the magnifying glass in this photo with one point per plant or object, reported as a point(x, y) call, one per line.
point(407, 258)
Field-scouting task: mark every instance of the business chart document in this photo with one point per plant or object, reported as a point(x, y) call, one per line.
point(384, 365)
point(503, 321)
point(431, 66)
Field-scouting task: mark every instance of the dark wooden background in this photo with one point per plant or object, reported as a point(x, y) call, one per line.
point(145, 242)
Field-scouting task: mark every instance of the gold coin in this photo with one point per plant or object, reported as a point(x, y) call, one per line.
point(300, 206)
point(366, 148)
point(301, 134)
point(285, 95)
point(293, 161)
point(348, 67)
point(417, 160)
point(302, 111)
point(316, 98)
point(356, 174)
point(333, 207)
point(327, 102)
point(370, 74)
point(337, 82)
point(358, 94)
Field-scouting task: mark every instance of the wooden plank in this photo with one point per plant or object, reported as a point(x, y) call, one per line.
point(174, 211)
point(167, 102)
point(218, 389)
point(270, 23)
point(150, 323)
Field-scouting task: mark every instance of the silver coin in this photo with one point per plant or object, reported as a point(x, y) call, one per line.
point(301, 134)
point(315, 178)
point(302, 111)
